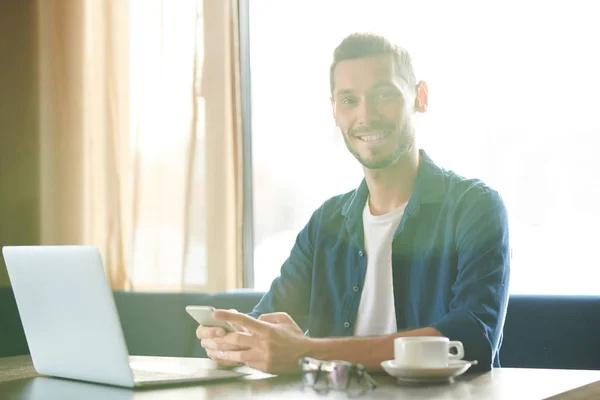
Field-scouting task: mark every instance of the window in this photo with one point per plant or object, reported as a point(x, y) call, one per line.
point(513, 101)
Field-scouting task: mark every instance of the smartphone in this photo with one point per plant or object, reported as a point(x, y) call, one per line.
point(203, 315)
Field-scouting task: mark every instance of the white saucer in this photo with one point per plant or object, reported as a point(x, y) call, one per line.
point(420, 374)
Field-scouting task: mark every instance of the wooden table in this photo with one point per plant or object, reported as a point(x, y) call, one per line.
point(18, 380)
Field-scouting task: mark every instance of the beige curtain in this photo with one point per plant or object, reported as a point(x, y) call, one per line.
point(140, 138)
point(221, 89)
point(85, 177)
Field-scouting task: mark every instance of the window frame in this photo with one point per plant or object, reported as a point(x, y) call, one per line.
point(246, 113)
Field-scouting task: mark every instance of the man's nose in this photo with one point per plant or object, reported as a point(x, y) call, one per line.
point(367, 112)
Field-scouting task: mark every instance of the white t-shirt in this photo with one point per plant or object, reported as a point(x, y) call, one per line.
point(376, 312)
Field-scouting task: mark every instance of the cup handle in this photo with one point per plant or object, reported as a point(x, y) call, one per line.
point(460, 351)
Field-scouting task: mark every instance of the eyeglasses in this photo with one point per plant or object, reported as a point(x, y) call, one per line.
point(324, 376)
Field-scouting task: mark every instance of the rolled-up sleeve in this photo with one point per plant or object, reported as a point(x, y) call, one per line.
point(478, 309)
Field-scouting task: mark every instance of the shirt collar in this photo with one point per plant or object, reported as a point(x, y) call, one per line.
point(430, 187)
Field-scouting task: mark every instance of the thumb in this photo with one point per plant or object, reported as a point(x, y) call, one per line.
point(275, 318)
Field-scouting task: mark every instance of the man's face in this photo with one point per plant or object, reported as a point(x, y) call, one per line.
point(373, 107)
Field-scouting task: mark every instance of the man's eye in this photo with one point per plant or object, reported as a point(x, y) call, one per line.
point(349, 101)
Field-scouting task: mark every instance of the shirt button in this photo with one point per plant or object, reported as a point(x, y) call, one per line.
point(360, 253)
point(346, 324)
point(355, 288)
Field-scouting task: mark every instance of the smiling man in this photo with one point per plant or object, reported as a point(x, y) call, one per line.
point(415, 250)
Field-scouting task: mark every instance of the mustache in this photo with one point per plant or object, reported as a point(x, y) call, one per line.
point(373, 127)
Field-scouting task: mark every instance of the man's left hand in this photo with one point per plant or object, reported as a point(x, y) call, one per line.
point(274, 342)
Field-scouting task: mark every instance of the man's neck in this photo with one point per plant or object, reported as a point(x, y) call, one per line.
point(390, 188)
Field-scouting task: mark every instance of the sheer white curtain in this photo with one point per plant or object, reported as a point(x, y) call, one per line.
point(185, 143)
point(166, 125)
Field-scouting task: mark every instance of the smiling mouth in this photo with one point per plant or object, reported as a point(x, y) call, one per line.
point(374, 137)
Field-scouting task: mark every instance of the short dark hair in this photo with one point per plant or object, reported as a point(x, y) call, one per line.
point(361, 45)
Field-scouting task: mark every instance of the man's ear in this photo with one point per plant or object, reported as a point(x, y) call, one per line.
point(422, 97)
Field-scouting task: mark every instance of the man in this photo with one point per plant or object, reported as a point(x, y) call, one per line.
point(416, 250)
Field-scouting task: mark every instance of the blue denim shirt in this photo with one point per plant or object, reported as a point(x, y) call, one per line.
point(450, 261)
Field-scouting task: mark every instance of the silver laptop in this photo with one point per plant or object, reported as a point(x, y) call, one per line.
point(71, 322)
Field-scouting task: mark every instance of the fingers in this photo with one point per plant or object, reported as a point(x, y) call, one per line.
point(253, 325)
point(239, 340)
point(276, 318)
point(242, 357)
point(219, 345)
point(215, 354)
point(208, 332)
point(240, 328)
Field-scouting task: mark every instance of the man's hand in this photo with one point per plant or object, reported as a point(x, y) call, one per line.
point(207, 336)
point(282, 319)
point(271, 344)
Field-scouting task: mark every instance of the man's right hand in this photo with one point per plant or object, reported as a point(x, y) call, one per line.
point(207, 334)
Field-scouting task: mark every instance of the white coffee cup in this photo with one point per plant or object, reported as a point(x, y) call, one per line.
point(426, 351)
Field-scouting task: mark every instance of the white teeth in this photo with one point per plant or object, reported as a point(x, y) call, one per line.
point(377, 136)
